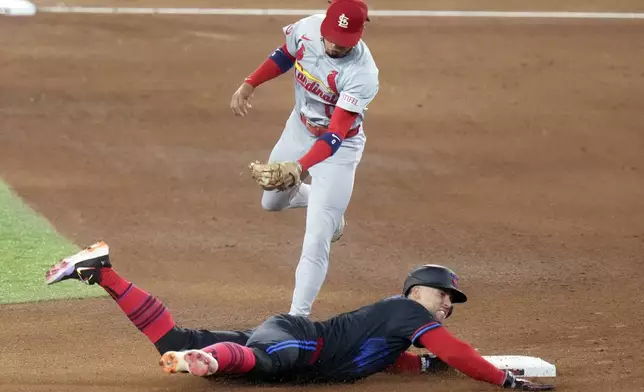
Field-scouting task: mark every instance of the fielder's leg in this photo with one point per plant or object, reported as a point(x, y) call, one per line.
point(331, 190)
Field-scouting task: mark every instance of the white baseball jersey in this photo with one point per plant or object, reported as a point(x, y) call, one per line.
point(322, 82)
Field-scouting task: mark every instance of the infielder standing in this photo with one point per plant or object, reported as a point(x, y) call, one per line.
point(335, 79)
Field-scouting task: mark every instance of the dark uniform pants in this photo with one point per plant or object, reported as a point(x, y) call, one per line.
point(283, 344)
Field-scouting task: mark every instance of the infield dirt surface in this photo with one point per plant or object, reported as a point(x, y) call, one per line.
point(509, 150)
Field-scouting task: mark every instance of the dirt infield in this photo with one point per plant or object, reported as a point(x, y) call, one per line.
point(508, 150)
point(473, 5)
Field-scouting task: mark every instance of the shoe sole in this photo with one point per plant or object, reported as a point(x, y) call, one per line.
point(173, 362)
point(196, 362)
point(66, 266)
point(200, 363)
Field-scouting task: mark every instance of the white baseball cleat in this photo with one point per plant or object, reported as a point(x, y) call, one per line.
point(196, 362)
point(85, 265)
point(340, 230)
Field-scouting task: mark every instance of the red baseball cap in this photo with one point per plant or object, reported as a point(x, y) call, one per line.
point(344, 22)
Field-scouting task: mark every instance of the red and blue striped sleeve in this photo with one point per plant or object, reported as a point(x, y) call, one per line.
point(425, 328)
point(279, 62)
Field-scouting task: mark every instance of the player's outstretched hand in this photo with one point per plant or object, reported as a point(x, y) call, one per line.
point(525, 385)
point(240, 102)
point(512, 382)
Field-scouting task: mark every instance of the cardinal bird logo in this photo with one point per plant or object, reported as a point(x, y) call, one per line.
point(331, 81)
point(300, 53)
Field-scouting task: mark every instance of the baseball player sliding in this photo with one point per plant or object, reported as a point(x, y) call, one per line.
point(344, 348)
point(335, 79)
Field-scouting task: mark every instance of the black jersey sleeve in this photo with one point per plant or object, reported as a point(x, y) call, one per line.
point(409, 319)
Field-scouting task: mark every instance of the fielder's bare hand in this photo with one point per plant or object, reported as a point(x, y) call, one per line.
point(240, 103)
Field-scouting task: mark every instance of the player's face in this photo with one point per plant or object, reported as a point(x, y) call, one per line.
point(335, 51)
point(437, 301)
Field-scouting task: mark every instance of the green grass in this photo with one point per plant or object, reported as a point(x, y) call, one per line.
point(28, 247)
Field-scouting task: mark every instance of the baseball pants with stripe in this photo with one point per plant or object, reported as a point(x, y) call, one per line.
point(282, 344)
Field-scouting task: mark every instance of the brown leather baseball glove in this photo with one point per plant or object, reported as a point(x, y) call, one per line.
point(278, 175)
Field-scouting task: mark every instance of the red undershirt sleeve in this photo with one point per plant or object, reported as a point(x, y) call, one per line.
point(406, 363)
point(461, 356)
point(341, 121)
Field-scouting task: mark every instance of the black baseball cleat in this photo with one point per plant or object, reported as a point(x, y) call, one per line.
point(84, 266)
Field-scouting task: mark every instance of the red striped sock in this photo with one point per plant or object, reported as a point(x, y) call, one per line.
point(233, 358)
point(146, 312)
